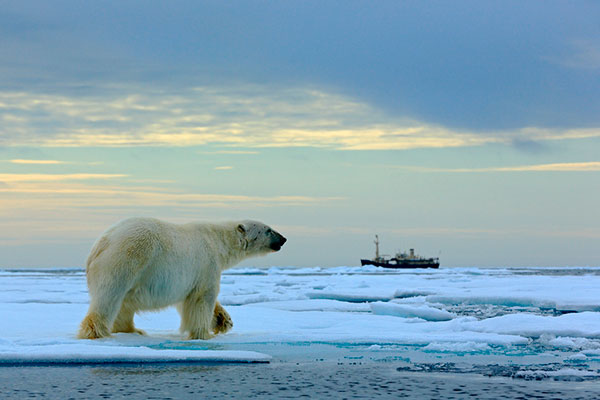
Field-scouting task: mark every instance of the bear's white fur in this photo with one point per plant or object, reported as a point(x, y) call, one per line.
point(146, 264)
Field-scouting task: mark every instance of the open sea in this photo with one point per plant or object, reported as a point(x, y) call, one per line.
point(317, 380)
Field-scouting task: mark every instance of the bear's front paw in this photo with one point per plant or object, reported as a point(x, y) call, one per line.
point(200, 334)
point(222, 322)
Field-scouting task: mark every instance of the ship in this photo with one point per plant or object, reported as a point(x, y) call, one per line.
point(400, 260)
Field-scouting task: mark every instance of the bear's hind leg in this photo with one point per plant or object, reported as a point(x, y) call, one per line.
point(221, 322)
point(93, 326)
point(105, 304)
point(99, 319)
point(124, 321)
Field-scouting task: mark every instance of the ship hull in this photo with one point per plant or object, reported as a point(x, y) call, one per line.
point(403, 264)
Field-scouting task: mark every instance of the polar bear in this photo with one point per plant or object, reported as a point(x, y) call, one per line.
point(147, 264)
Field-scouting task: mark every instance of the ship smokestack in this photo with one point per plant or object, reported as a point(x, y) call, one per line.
point(412, 252)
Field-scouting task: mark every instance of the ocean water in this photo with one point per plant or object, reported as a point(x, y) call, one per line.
point(275, 380)
point(512, 327)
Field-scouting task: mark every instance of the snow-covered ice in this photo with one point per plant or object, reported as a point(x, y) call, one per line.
point(531, 314)
point(411, 311)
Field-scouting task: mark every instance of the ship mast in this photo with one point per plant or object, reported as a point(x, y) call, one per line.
point(376, 247)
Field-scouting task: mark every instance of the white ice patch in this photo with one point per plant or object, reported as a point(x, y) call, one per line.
point(84, 353)
point(585, 324)
point(241, 299)
point(260, 323)
point(411, 311)
point(358, 296)
point(315, 305)
point(564, 374)
point(569, 343)
point(577, 357)
point(466, 347)
point(502, 300)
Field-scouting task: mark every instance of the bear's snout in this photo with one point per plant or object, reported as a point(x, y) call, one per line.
point(278, 242)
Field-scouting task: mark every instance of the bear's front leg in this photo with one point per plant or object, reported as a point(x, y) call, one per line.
point(197, 314)
point(221, 322)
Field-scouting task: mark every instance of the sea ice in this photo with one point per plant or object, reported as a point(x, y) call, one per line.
point(466, 347)
point(407, 313)
point(584, 324)
point(84, 353)
point(561, 374)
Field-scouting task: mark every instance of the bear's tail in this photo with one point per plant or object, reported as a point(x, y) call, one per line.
point(100, 245)
point(93, 326)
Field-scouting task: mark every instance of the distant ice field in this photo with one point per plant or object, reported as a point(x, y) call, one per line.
point(529, 323)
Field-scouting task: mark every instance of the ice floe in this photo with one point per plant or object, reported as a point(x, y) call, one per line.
point(477, 312)
point(70, 353)
point(411, 311)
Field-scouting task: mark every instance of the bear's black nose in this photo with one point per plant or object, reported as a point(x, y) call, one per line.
point(276, 245)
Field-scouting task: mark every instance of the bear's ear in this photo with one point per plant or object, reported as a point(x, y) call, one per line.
point(241, 228)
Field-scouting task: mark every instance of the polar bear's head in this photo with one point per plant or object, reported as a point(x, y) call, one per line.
point(258, 238)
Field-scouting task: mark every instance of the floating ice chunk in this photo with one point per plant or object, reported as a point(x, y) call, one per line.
point(585, 324)
point(592, 353)
point(86, 354)
point(464, 347)
point(577, 357)
point(412, 311)
point(568, 343)
point(245, 291)
point(418, 300)
point(506, 300)
point(561, 374)
point(315, 305)
point(359, 296)
point(247, 299)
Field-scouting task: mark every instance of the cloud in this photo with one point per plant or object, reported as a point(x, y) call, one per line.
point(49, 162)
point(234, 152)
point(43, 162)
point(554, 167)
point(55, 192)
point(10, 178)
point(223, 167)
point(566, 167)
point(247, 117)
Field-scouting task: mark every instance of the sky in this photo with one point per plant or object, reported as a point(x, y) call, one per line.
point(467, 130)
